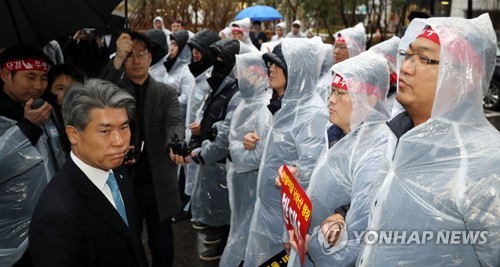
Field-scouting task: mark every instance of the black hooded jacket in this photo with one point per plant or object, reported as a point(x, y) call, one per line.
point(202, 41)
point(215, 107)
point(180, 37)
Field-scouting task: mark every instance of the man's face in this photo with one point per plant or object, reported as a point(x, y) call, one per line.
point(256, 27)
point(174, 49)
point(295, 29)
point(24, 85)
point(197, 56)
point(340, 52)
point(279, 31)
point(138, 62)
point(238, 35)
point(158, 24)
point(58, 88)
point(417, 82)
point(105, 140)
point(277, 79)
point(340, 108)
point(176, 27)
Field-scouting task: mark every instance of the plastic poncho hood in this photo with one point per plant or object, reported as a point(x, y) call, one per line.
point(443, 174)
point(467, 56)
point(389, 50)
point(367, 87)
point(355, 39)
point(303, 58)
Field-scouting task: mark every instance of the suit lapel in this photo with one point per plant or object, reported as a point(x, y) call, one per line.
point(98, 203)
point(148, 101)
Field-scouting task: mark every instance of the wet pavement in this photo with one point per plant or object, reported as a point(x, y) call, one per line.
point(188, 243)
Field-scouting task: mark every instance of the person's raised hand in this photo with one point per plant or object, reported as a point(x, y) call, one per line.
point(37, 116)
point(124, 46)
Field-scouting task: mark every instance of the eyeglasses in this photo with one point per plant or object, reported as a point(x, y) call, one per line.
point(269, 64)
point(338, 93)
point(138, 55)
point(421, 62)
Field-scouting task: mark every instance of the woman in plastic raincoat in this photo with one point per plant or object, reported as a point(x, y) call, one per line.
point(251, 115)
point(179, 76)
point(346, 172)
point(443, 183)
point(296, 137)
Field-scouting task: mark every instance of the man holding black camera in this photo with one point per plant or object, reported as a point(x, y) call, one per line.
point(157, 120)
point(25, 159)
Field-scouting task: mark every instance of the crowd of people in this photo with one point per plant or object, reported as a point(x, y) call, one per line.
point(174, 125)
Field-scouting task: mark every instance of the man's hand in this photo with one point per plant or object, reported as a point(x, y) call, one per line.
point(331, 228)
point(124, 46)
point(195, 128)
point(293, 169)
point(294, 242)
point(132, 160)
point(178, 159)
point(250, 141)
point(37, 116)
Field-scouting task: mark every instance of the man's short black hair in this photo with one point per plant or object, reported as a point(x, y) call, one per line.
point(141, 37)
point(21, 51)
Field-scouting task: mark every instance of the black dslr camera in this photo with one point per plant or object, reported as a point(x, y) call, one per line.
point(180, 147)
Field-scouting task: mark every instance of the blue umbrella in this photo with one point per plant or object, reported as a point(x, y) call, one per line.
point(259, 13)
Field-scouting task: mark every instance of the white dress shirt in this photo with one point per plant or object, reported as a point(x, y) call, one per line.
point(97, 176)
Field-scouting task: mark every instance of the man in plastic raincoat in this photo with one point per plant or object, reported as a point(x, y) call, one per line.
point(296, 137)
point(27, 160)
point(250, 115)
point(443, 182)
point(345, 174)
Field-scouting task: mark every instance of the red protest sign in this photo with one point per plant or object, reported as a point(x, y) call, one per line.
point(297, 208)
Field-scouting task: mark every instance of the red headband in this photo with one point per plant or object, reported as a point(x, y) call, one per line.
point(430, 34)
point(27, 64)
point(340, 39)
point(338, 81)
point(236, 29)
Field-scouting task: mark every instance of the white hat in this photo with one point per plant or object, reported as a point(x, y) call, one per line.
point(281, 25)
point(297, 22)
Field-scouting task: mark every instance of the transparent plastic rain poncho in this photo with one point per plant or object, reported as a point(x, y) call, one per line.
point(251, 115)
point(210, 199)
point(296, 137)
point(348, 171)
point(194, 113)
point(181, 78)
point(355, 38)
point(444, 173)
point(26, 170)
point(245, 25)
point(325, 76)
point(388, 49)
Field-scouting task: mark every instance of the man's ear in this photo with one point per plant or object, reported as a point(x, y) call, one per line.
point(5, 74)
point(72, 134)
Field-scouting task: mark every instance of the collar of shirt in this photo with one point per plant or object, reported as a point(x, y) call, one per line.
point(97, 176)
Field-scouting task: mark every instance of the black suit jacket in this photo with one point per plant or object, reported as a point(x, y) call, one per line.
point(74, 224)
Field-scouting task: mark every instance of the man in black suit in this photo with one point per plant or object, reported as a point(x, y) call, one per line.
point(158, 120)
point(86, 215)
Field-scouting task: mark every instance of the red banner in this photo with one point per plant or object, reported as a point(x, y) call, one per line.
point(297, 208)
